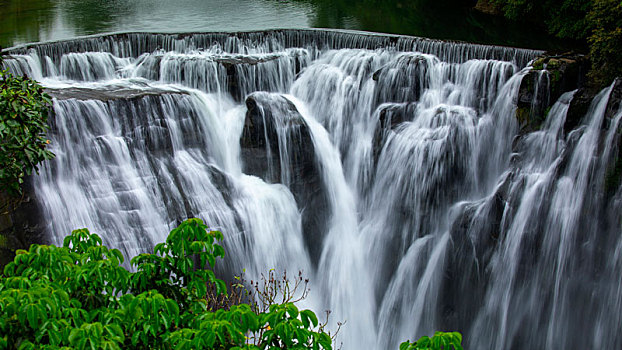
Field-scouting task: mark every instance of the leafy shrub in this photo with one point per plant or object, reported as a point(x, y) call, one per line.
point(440, 341)
point(563, 18)
point(597, 22)
point(23, 123)
point(605, 19)
point(80, 296)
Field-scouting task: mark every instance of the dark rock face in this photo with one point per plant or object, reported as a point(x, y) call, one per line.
point(615, 99)
point(403, 80)
point(276, 145)
point(582, 100)
point(550, 77)
point(390, 115)
point(21, 223)
point(613, 177)
point(579, 106)
point(237, 70)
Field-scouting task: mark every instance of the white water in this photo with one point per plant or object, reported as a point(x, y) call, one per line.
point(432, 215)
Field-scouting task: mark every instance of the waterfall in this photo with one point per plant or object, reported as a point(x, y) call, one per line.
point(389, 169)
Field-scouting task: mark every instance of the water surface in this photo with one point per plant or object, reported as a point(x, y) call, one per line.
point(23, 21)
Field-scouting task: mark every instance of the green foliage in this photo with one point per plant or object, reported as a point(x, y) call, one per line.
point(79, 296)
point(440, 341)
point(605, 20)
point(563, 18)
point(598, 22)
point(23, 123)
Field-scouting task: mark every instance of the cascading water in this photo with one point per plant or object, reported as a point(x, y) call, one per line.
point(389, 169)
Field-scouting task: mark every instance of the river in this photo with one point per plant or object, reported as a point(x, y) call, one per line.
point(24, 21)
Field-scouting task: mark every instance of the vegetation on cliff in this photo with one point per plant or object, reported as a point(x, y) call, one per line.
point(23, 124)
point(605, 40)
point(595, 22)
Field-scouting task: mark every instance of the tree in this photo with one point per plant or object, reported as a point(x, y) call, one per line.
point(605, 20)
point(596, 22)
point(80, 296)
point(563, 18)
point(440, 341)
point(23, 124)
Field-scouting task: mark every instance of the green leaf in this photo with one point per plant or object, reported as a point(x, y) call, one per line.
point(32, 313)
point(308, 314)
point(292, 310)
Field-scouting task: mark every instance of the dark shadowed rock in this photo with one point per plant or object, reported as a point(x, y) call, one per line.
point(276, 145)
point(390, 115)
point(403, 79)
point(550, 77)
point(21, 223)
point(615, 99)
point(474, 237)
point(613, 176)
point(233, 74)
point(578, 108)
point(582, 100)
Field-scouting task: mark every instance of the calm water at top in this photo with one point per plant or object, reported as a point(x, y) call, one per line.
point(23, 21)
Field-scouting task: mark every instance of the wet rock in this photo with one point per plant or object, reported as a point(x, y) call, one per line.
point(233, 75)
point(21, 223)
point(615, 99)
point(260, 141)
point(549, 78)
point(613, 176)
point(403, 79)
point(390, 115)
point(582, 100)
point(578, 108)
point(237, 74)
point(276, 145)
point(475, 234)
point(109, 93)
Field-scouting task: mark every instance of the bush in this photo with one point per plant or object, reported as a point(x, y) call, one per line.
point(80, 296)
point(596, 22)
point(605, 19)
point(562, 18)
point(440, 340)
point(23, 123)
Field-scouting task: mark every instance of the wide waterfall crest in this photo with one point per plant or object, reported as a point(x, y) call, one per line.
point(390, 169)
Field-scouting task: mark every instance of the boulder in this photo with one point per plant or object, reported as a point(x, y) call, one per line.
point(615, 99)
point(277, 146)
point(390, 115)
point(21, 223)
point(579, 106)
point(549, 78)
point(403, 79)
point(583, 99)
